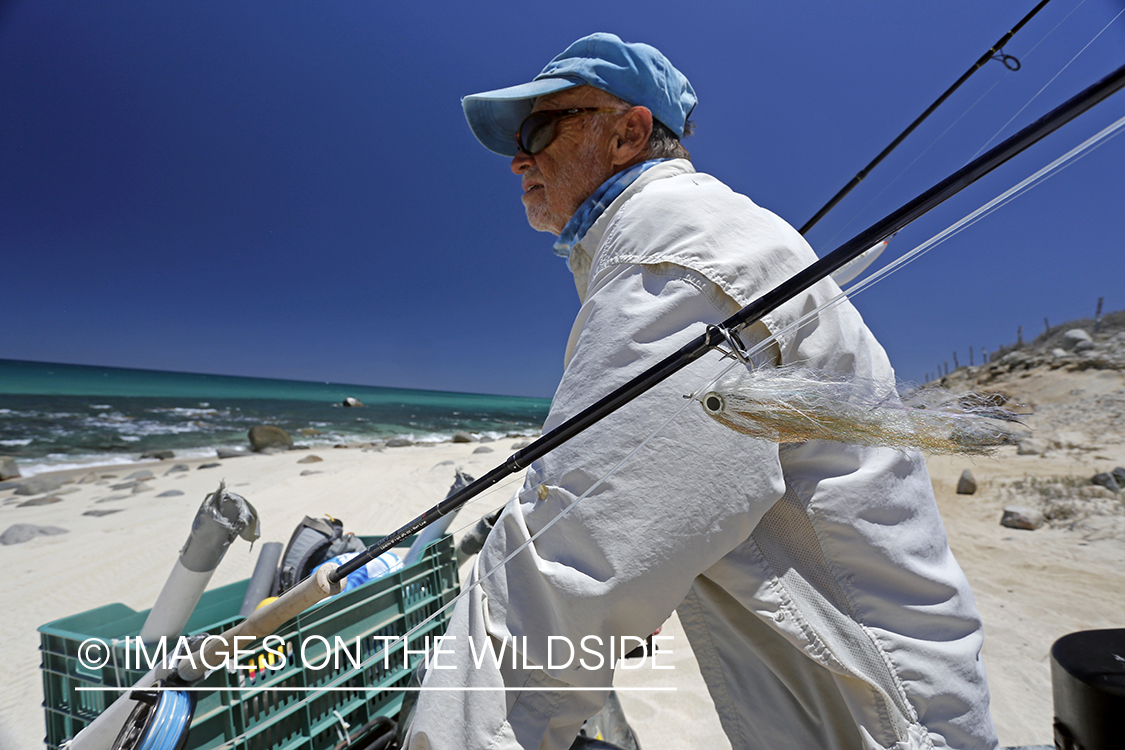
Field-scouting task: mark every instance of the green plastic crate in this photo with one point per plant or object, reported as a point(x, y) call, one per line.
point(233, 714)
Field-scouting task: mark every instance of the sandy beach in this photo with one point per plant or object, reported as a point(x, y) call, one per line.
point(1031, 586)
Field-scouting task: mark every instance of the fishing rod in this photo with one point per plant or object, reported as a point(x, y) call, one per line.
point(726, 332)
point(991, 54)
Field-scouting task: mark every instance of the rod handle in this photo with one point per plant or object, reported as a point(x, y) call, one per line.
point(262, 622)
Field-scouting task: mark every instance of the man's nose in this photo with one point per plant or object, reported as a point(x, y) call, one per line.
point(522, 162)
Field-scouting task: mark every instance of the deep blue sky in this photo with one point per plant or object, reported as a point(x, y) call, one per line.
point(288, 189)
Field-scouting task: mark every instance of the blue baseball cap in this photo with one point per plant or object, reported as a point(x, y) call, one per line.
point(636, 73)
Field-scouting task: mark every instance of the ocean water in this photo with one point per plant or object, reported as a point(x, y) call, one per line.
point(56, 416)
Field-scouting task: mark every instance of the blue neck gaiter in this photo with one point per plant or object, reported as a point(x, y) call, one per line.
point(592, 208)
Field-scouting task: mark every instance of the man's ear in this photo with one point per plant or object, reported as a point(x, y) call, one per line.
point(630, 138)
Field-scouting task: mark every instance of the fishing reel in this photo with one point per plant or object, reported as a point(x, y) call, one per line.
point(160, 721)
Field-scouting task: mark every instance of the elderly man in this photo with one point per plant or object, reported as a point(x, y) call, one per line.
point(814, 580)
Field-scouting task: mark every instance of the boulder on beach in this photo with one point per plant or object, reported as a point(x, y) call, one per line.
point(40, 501)
point(399, 442)
point(1107, 480)
point(312, 458)
point(8, 468)
point(967, 484)
point(1075, 336)
point(21, 532)
point(231, 452)
point(38, 485)
point(265, 436)
point(462, 437)
point(158, 454)
point(1020, 517)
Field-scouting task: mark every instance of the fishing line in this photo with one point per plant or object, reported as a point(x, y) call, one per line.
point(1054, 167)
point(907, 168)
point(984, 59)
point(1048, 83)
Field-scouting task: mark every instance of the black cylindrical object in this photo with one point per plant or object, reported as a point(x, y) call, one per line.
point(1088, 682)
point(261, 581)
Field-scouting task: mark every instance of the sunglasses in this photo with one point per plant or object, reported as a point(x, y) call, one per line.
point(538, 130)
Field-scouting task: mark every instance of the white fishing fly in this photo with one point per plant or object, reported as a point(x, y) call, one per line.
point(793, 404)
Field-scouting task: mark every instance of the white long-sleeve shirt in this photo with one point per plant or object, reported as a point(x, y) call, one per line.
point(814, 580)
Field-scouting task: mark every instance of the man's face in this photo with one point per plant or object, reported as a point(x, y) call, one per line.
point(557, 179)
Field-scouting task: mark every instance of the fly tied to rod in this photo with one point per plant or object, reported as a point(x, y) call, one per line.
point(793, 404)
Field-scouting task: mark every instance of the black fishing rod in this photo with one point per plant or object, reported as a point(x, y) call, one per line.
point(726, 332)
point(991, 54)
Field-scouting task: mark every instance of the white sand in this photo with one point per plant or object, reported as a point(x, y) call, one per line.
point(1032, 587)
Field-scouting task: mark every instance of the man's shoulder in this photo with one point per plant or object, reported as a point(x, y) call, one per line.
point(684, 188)
point(697, 201)
point(694, 221)
point(695, 209)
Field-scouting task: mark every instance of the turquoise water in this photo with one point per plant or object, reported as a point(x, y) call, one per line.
point(56, 415)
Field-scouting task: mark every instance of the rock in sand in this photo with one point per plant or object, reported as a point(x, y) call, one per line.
point(1020, 517)
point(21, 532)
point(1107, 480)
point(39, 501)
point(38, 486)
point(967, 484)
